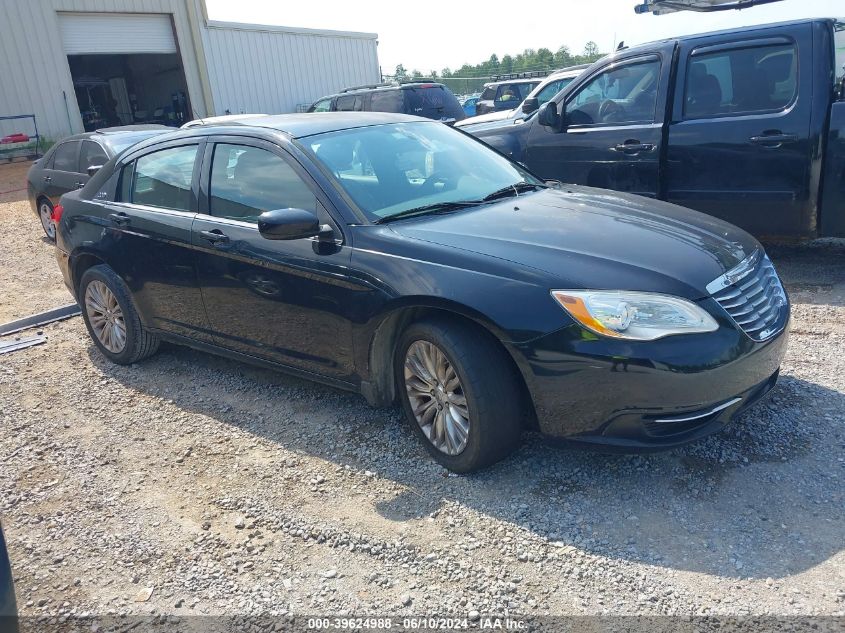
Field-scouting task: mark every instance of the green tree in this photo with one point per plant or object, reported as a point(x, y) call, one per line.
point(507, 64)
point(563, 57)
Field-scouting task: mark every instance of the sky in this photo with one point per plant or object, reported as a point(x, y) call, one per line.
point(427, 36)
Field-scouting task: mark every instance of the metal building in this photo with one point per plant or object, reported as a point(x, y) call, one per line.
point(84, 64)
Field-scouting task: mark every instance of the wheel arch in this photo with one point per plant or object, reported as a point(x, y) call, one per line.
point(380, 387)
point(79, 263)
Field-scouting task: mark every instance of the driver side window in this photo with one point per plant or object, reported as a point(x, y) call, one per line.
point(246, 181)
point(621, 95)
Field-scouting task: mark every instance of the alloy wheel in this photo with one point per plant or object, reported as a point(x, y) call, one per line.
point(45, 213)
point(106, 316)
point(437, 397)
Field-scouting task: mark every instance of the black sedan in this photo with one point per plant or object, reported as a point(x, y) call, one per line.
point(8, 605)
point(71, 162)
point(402, 259)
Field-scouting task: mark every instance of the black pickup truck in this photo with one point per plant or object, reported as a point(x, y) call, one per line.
point(747, 125)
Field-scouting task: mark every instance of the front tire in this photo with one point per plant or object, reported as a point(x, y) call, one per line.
point(111, 317)
point(45, 214)
point(459, 393)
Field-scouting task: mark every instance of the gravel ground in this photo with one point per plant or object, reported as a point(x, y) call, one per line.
point(189, 484)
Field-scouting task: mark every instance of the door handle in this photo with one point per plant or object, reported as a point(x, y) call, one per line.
point(215, 237)
point(79, 185)
point(632, 147)
point(48, 179)
point(773, 139)
point(119, 218)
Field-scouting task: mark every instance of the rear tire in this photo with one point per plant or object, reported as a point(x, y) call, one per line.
point(464, 401)
point(45, 214)
point(111, 317)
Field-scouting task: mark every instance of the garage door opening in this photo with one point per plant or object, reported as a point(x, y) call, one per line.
point(126, 68)
point(127, 89)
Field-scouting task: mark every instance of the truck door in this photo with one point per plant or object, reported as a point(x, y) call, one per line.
point(612, 127)
point(739, 144)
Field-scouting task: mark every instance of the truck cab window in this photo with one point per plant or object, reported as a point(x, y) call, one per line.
point(621, 95)
point(740, 81)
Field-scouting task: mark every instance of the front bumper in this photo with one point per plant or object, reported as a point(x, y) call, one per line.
point(624, 395)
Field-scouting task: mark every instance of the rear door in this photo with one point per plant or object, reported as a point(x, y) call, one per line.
point(613, 128)
point(739, 142)
point(281, 300)
point(149, 225)
point(63, 172)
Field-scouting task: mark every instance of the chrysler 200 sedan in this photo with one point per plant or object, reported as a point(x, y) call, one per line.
point(400, 258)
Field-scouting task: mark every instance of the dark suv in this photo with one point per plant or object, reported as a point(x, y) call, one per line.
point(425, 99)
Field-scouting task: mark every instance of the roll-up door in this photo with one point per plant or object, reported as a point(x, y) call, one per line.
point(104, 33)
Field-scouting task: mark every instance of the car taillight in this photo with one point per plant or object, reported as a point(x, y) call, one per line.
point(57, 213)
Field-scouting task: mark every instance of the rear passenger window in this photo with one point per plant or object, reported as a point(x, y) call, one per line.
point(350, 104)
point(163, 179)
point(65, 157)
point(741, 81)
point(387, 101)
point(247, 181)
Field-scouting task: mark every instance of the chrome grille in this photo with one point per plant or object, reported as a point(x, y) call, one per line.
point(751, 293)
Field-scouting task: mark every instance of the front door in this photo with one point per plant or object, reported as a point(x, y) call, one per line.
point(282, 300)
point(150, 221)
point(612, 130)
point(739, 144)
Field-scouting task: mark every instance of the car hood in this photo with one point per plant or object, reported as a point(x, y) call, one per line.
point(486, 118)
point(592, 238)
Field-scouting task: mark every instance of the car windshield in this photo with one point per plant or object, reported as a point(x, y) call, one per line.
point(391, 169)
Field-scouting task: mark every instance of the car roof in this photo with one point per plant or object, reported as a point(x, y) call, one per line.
point(299, 125)
point(523, 80)
point(109, 135)
point(296, 125)
point(646, 46)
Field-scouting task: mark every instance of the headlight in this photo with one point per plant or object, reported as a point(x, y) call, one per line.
point(638, 316)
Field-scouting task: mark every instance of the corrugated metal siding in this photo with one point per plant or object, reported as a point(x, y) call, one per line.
point(250, 69)
point(273, 71)
point(34, 68)
point(92, 33)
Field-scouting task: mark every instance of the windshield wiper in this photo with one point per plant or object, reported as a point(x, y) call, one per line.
point(429, 209)
point(513, 190)
point(445, 207)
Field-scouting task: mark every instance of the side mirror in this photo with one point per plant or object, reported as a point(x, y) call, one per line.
point(548, 115)
point(530, 105)
point(288, 224)
point(93, 169)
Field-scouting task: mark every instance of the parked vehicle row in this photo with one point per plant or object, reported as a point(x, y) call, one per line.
point(746, 125)
point(504, 95)
point(397, 257)
point(426, 99)
point(547, 89)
